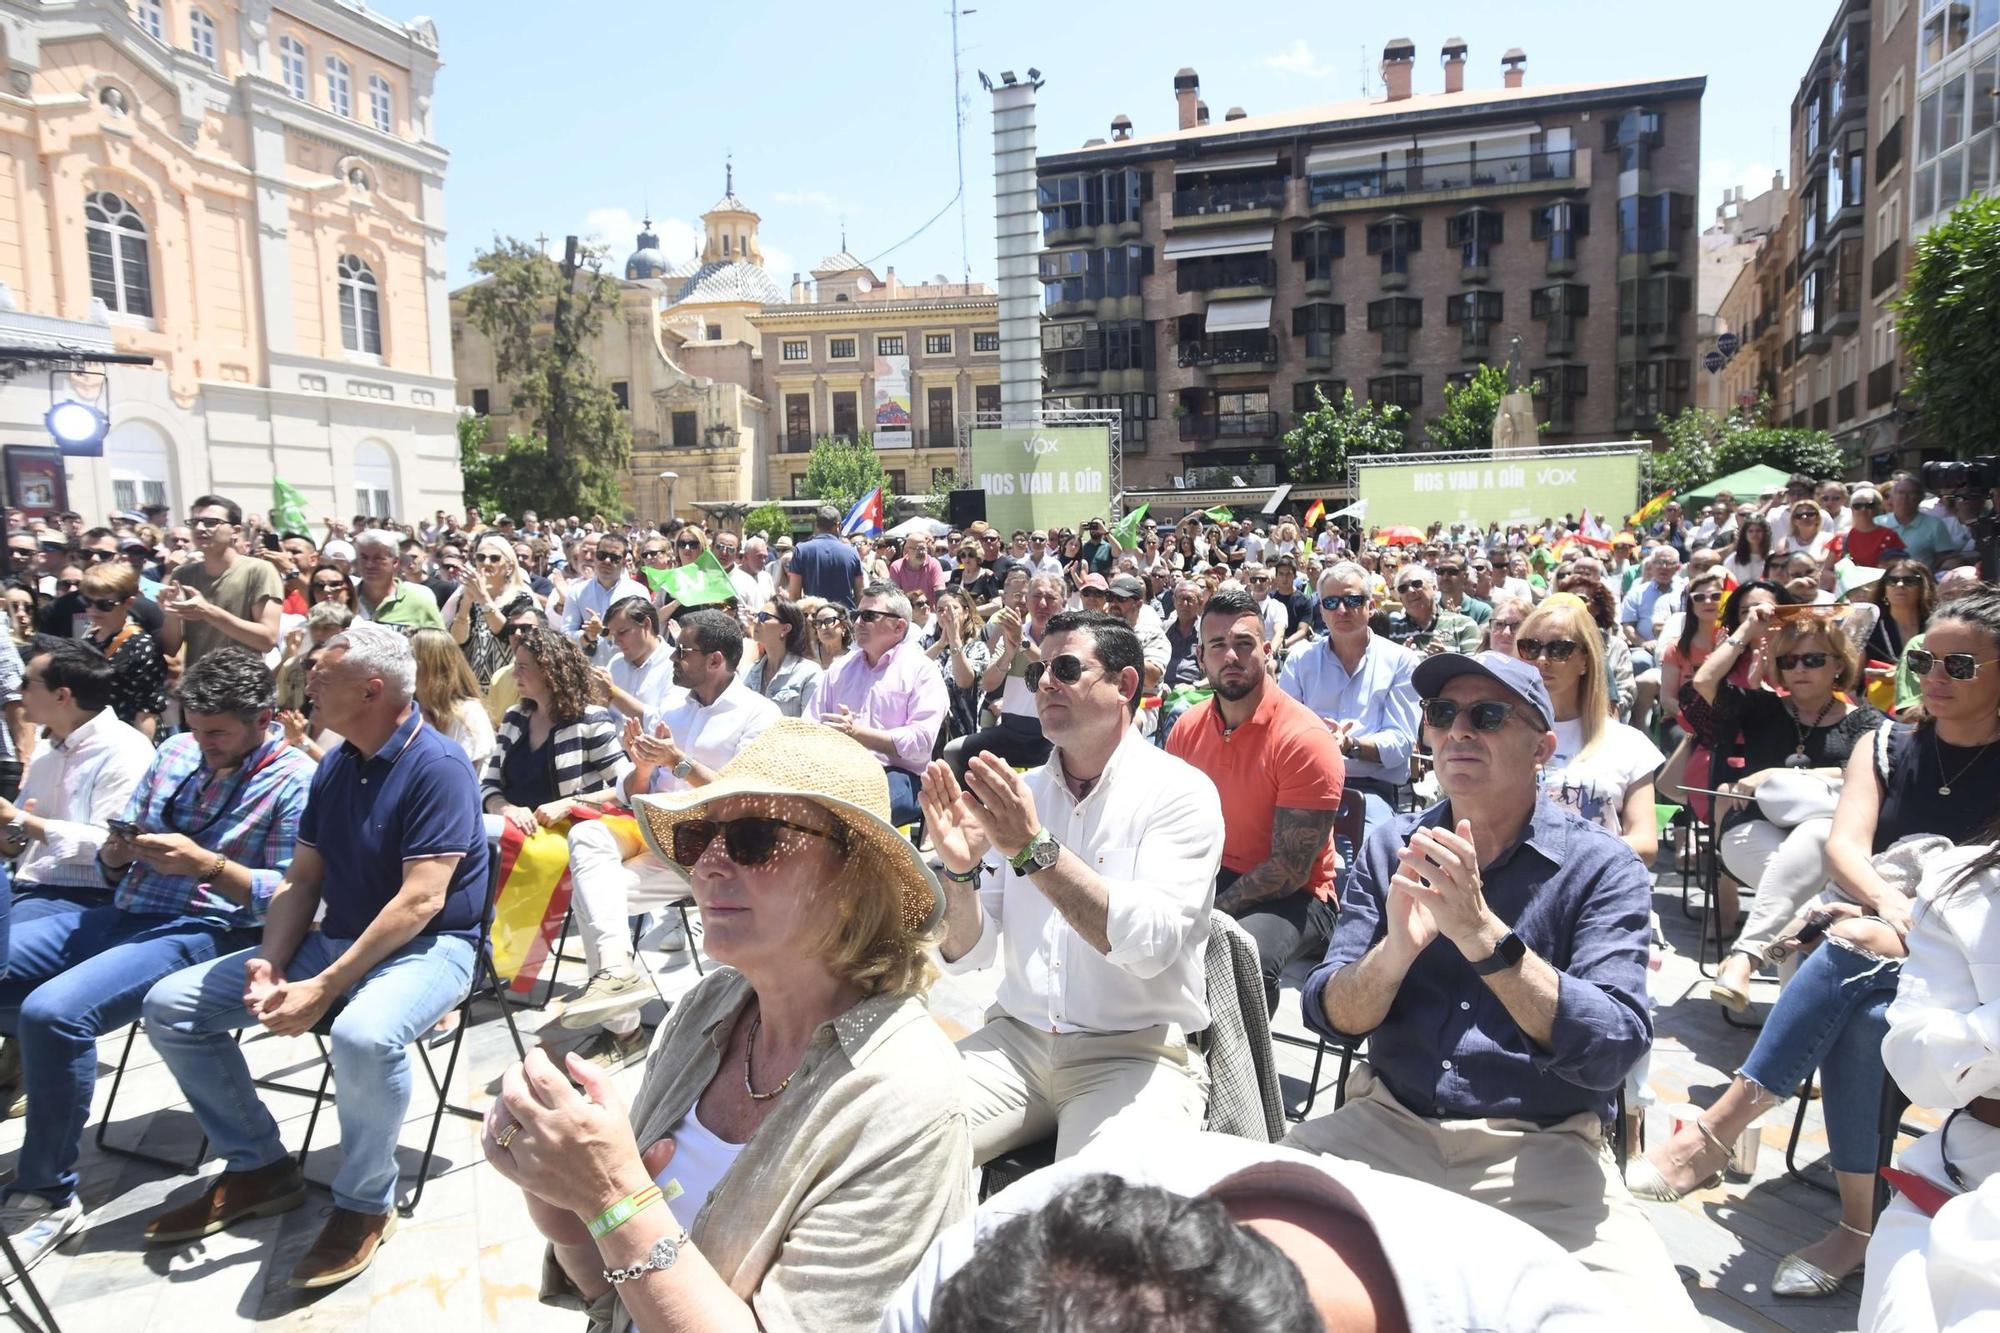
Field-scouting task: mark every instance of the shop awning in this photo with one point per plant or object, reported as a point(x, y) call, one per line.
point(1228, 241)
point(1484, 134)
point(1252, 312)
point(1349, 157)
point(1240, 162)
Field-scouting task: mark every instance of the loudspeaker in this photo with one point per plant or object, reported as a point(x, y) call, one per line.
point(964, 508)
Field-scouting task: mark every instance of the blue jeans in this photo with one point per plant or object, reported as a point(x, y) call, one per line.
point(190, 1017)
point(1832, 1017)
point(903, 787)
point(75, 975)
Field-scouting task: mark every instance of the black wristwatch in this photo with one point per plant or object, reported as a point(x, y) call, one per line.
point(1507, 953)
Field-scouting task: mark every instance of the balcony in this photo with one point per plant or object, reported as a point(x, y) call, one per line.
point(1562, 335)
point(1229, 426)
point(798, 442)
point(1256, 348)
point(1887, 270)
point(1761, 325)
point(1843, 403)
point(1889, 151)
point(1819, 414)
point(1881, 386)
point(1226, 271)
point(1234, 198)
point(1512, 174)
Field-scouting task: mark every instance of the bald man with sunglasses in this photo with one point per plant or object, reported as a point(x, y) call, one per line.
point(1492, 949)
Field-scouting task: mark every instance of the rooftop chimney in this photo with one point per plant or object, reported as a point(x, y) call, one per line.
point(1454, 64)
point(1235, 113)
point(1399, 57)
point(1513, 66)
point(1187, 92)
point(1201, 113)
point(1121, 128)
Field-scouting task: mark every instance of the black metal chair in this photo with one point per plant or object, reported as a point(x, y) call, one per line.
point(41, 1321)
point(1889, 1128)
point(1348, 823)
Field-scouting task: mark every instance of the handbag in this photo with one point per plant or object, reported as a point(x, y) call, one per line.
point(1789, 797)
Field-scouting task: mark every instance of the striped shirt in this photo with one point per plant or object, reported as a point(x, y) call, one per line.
point(587, 753)
point(251, 817)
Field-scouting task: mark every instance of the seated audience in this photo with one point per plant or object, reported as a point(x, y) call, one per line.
point(558, 745)
point(502, 694)
point(641, 675)
point(886, 695)
point(448, 694)
point(138, 669)
point(785, 672)
point(1906, 596)
point(477, 610)
point(833, 632)
point(1422, 624)
point(381, 596)
point(1014, 637)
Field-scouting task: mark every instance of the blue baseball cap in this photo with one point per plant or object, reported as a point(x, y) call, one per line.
point(1518, 678)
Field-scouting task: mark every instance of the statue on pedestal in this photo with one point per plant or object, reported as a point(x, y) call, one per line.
point(1514, 426)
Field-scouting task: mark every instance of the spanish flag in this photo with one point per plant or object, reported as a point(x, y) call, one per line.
point(1315, 513)
point(534, 895)
point(1652, 508)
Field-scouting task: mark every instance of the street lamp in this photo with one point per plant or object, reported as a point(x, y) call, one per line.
point(670, 478)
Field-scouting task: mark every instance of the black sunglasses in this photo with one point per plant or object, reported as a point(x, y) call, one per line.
point(68, 585)
point(765, 617)
point(507, 633)
point(492, 558)
point(1486, 715)
point(104, 603)
point(330, 585)
point(1558, 650)
point(1067, 669)
point(1810, 661)
point(1343, 601)
point(652, 551)
point(689, 543)
point(870, 617)
point(1958, 666)
point(99, 557)
point(1411, 585)
point(1904, 580)
point(611, 555)
point(749, 841)
point(827, 622)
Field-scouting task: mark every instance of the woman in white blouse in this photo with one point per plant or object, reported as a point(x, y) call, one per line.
point(1931, 1266)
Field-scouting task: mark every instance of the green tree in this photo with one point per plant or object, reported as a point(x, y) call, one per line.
point(1949, 327)
point(1702, 446)
point(1318, 448)
point(767, 519)
point(584, 442)
point(474, 463)
point(839, 472)
point(1469, 409)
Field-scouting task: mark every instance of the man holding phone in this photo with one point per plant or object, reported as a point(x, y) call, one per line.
point(212, 825)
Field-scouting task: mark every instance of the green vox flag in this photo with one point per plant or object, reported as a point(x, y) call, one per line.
point(1126, 534)
point(703, 583)
point(288, 510)
point(1221, 513)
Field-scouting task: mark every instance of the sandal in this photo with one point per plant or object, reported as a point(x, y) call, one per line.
point(1644, 1180)
point(1735, 999)
point(1802, 1278)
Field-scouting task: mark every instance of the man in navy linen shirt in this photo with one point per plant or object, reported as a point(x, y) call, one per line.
point(392, 842)
point(1493, 951)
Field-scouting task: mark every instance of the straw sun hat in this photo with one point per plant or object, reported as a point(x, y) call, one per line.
point(794, 757)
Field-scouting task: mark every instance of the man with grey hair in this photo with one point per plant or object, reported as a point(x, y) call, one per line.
point(1423, 625)
point(384, 598)
point(886, 694)
point(392, 845)
point(1359, 684)
point(1016, 647)
point(756, 555)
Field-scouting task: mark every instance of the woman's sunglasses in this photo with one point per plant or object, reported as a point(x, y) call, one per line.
point(1504, 626)
point(1904, 580)
point(1810, 661)
point(1556, 650)
point(492, 558)
point(749, 841)
point(1486, 715)
point(688, 544)
point(334, 585)
point(1067, 669)
point(1704, 598)
point(1957, 666)
point(827, 622)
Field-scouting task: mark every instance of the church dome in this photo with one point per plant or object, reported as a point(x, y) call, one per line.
point(646, 261)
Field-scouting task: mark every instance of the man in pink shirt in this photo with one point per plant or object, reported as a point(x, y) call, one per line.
point(916, 570)
point(887, 694)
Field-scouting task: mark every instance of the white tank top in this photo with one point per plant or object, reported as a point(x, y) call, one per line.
point(699, 1162)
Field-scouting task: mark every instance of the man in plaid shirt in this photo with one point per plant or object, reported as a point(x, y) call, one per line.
point(216, 817)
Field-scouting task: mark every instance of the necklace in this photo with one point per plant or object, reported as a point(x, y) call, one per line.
point(749, 1050)
point(1798, 758)
point(1944, 782)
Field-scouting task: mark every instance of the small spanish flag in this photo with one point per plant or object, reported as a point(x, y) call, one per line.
point(1315, 513)
point(1652, 508)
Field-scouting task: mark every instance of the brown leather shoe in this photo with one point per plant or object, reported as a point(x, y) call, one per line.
point(346, 1246)
point(264, 1192)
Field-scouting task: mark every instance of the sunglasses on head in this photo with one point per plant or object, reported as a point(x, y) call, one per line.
point(1486, 715)
point(1810, 661)
point(1343, 601)
point(1957, 666)
point(749, 841)
point(1556, 650)
point(104, 603)
point(1067, 669)
point(870, 617)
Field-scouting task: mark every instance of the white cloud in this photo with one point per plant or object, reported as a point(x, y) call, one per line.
point(1297, 58)
point(616, 228)
point(818, 199)
point(778, 262)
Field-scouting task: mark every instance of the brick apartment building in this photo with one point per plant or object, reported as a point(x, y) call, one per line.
point(1208, 279)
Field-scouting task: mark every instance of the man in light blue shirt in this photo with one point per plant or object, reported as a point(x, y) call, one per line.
point(1360, 683)
point(1926, 537)
point(590, 600)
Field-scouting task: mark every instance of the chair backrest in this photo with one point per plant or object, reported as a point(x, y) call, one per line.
point(1351, 818)
point(1243, 1093)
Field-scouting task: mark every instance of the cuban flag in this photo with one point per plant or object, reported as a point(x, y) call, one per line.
point(865, 519)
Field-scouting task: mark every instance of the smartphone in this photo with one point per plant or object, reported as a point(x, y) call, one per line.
point(124, 828)
point(270, 540)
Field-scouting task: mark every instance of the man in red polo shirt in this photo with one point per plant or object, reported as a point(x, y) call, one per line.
point(1279, 770)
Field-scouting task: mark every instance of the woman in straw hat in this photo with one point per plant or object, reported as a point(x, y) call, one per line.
point(800, 1137)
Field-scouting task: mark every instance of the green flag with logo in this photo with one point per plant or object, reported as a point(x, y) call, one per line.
point(288, 510)
point(1221, 513)
point(1126, 534)
point(703, 583)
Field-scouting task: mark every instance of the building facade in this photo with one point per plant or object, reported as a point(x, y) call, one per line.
point(1209, 280)
point(248, 191)
point(1725, 295)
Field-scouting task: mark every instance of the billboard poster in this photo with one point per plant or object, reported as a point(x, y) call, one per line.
point(1515, 488)
point(892, 402)
point(1042, 476)
point(36, 482)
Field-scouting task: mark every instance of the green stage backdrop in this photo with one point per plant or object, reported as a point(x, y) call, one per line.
point(1512, 489)
point(1040, 476)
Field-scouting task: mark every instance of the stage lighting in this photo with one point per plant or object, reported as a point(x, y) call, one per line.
point(78, 428)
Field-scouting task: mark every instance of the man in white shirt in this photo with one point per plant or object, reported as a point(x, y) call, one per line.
point(612, 874)
point(1041, 560)
point(749, 592)
point(1127, 598)
point(591, 598)
point(1277, 621)
point(641, 676)
point(1090, 881)
point(755, 562)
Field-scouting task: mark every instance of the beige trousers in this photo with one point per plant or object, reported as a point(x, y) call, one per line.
point(1560, 1180)
point(1024, 1084)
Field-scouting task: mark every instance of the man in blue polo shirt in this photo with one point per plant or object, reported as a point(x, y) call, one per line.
point(825, 567)
point(391, 841)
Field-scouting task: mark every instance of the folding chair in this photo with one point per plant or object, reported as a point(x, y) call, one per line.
point(20, 1279)
point(111, 1100)
point(1889, 1128)
point(1348, 822)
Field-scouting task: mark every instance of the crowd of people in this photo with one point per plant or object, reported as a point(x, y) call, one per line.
point(252, 777)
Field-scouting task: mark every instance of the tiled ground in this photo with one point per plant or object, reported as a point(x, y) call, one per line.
point(469, 1257)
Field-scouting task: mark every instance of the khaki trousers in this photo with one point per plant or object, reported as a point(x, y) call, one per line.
point(1024, 1084)
point(1560, 1180)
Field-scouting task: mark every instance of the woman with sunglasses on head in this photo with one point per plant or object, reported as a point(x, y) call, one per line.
point(558, 745)
point(799, 1138)
point(139, 671)
point(784, 672)
point(1933, 777)
point(832, 631)
point(1906, 595)
point(473, 613)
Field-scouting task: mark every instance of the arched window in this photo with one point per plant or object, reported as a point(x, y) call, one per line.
point(120, 270)
point(339, 87)
point(137, 456)
point(381, 104)
point(360, 307)
point(153, 19)
point(292, 66)
point(374, 480)
point(201, 37)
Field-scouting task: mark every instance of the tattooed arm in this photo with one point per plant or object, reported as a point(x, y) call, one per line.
point(1296, 839)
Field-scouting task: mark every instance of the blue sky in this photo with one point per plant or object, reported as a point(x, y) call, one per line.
point(579, 117)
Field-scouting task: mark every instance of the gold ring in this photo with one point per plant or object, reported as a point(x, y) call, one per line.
point(506, 1136)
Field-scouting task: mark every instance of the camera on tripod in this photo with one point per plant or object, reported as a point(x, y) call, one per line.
point(1981, 473)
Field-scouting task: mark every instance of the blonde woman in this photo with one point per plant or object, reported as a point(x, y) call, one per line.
point(476, 612)
point(449, 694)
point(1504, 625)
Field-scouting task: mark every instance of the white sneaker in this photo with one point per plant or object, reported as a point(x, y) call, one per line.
point(35, 1226)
